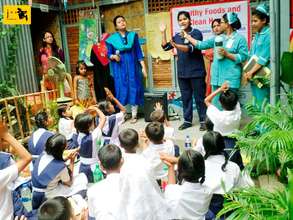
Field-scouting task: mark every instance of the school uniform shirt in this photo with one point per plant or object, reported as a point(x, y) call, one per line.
point(66, 127)
point(38, 141)
point(7, 177)
point(225, 122)
point(55, 186)
point(188, 201)
point(111, 128)
point(189, 64)
point(141, 197)
point(215, 177)
point(261, 46)
point(151, 153)
point(226, 69)
point(169, 132)
point(199, 147)
point(104, 197)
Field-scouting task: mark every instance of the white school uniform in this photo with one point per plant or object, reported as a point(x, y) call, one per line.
point(7, 178)
point(104, 198)
point(169, 132)
point(189, 200)
point(225, 122)
point(55, 187)
point(152, 155)
point(216, 178)
point(141, 197)
point(66, 128)
point(119, 118)
point(199, 147)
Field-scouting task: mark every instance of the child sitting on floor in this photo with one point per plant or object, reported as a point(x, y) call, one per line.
point(38, 139)
point(51, 177)
point(113, 120)
point(90, 140)
point(189, 198)
point(155, 133)
point(227, 121)
point(106, 204)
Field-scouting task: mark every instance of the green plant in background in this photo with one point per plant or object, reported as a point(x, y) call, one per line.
point(268, 139)
point(52, 108)
point(256, 204)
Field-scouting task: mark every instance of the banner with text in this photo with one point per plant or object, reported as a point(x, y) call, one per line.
point(202, 16)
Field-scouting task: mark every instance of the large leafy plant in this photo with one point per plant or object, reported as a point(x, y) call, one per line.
point(267, 140)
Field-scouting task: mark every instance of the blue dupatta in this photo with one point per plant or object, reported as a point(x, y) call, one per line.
point(118, 43)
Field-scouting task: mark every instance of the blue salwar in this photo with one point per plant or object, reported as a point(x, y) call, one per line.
point(127, 73)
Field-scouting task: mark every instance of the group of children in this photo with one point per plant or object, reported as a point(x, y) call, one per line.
point(120, 174)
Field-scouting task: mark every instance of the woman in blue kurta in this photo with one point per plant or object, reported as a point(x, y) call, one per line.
point(260, 48)
point(127, 65)
point(234, 52)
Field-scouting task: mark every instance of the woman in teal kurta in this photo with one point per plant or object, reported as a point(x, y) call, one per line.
point(234, 52)
point(261, 48)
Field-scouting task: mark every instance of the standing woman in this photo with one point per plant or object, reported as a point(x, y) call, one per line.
point(190, 69)
point(102, 77)
point(260, 48)
point(227, 63)
point(127, 65)
point(49, 48)
point(209, 54)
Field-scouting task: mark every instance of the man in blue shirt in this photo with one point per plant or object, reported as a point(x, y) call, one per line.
point(190, 70)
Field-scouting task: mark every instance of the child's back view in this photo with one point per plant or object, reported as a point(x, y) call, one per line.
point(90, 140)
point(38, 139)
point(227, 121)
point(141, 197)
point(155, 133)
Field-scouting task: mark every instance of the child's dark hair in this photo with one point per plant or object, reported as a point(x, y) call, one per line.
point(228, 100)
point(236, 25)
point(104, 106)
point(80, 62)
point(191, 167)
point(155, 132)
point(209, 124)
point(158, 115)
point(55, 146)
point(61, 110)
point(260, 15)
point(110, 157)
point(218, 20)
point(58, 208)
point(116, 18)
point(214, 144)
point(83, 122)
point(41, 119)
point(128, 139)
point(185, 13)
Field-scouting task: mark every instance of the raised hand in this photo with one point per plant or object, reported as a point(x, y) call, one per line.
point(163, 27)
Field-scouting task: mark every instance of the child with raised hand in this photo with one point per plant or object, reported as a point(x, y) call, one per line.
point(226, 121)
point(189, 198)
point(113, 119)
point(159, 115)
point(155, 133)
point(9, 174)
point(83, 92)
point(66, 125)
point(89, 140)
point(141, 197)
point(38, 139)
point(51, 177)
point(104, 196)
